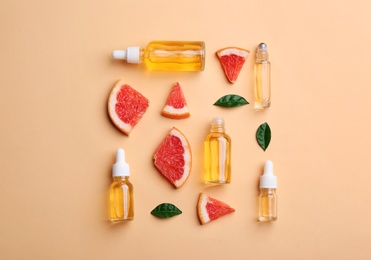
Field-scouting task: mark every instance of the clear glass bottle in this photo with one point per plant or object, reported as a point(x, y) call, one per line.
point(217, 154)
point(268, 196)
point(167, 55)
point(262, 81)
point(121, 190)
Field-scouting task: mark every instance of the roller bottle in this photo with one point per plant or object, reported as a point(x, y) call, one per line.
point(267, 196)
point(262, 78)
point(217, 154)
point(121, 190)
point(166, 55)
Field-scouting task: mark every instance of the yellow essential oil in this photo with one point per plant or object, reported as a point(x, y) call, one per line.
point(167, 55)
point(121, 190)
point(268, 196)
point(121, 199)
point(262, 82)
point(217, 154)
point(267, 204)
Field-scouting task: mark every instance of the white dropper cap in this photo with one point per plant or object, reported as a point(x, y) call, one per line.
point(131, 54)
point(120, 168)
point(268, 180)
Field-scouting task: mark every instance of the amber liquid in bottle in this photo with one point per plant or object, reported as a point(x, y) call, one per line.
point(217, 154)
point(174, 55)
point(121, 199)
point(267, 196)
point(267, 204)
point(262, 73)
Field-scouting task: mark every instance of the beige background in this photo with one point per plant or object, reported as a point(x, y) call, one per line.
point(58, 145)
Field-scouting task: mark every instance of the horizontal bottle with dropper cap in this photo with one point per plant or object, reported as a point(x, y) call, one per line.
point(166, 55)
point(121, 190)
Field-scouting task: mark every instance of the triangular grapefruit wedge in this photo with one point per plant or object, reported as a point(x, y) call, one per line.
point(176, 105)
point(173, 158)
point(126, 106)
point(209, 209)
point(232, 60)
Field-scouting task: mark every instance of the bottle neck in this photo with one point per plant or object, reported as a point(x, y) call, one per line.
point(268, 190)
point(120, 178)
point(217, 129)
point(143, 54)
point(217, 125)
point(262, 55)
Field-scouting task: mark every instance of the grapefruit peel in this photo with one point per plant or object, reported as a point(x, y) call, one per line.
point(176, 105)
point(126, 106)
point(174, 154)
point(209, 209)
point(232, 60)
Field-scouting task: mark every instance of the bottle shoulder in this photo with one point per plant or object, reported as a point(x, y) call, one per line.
point(121, 183)
point(268, 191)
point(218, 135)
point(266, 62)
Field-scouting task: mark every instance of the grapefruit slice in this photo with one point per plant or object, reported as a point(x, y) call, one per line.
point(176, 105)
point(209, 209)
point(126, 106)
point(173, 158)
point(232, 60)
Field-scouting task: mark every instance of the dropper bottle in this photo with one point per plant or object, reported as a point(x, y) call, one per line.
point(121, 190)
point(267, 196)
point(166, 55)
point(262, 81)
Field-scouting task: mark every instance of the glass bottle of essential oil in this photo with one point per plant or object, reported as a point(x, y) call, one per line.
point(166, 55)
point(121, 190)
point(262, 81)
point(217, 154)
point(268, 196)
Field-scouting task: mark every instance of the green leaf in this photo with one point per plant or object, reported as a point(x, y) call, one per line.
point(166, 210)
point(263, 136)
point(231, 101)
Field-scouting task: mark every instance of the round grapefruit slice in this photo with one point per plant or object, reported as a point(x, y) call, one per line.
point(209, 209)
point(176, 105)
point(232, 60)
point(126, 106)
point(173, 158)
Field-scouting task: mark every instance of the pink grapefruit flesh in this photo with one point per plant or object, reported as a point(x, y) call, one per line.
point(126, 106)
point(173, 158)
point(209, 209)
point(232, 60)
point(176, 105)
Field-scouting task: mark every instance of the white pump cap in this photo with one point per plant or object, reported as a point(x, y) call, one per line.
point(131, 54)
point(268, 180)
point(120, 168)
